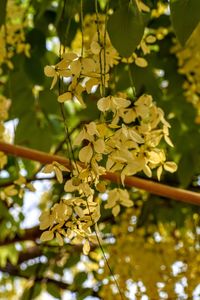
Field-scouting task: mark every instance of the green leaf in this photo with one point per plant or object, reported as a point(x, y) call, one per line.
point(32, 292)
point(20, 87)
point(34, 67)
point(126, 28)
point(83, 294)
point(3, 12)
point(185, 15)
point(80, 278)
point(33, 133)
point(48, 102)
point(8, 253)
point(186, 170)
point(43, 6)
point(37, 40)
point(29, 166)
point(53, 290)
point(145, 81)
point(72, 260)
point(25, 295)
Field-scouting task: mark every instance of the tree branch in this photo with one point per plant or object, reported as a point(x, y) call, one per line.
point(30, 253)
point(30, 234)
point(14, 271)
point(148, 185)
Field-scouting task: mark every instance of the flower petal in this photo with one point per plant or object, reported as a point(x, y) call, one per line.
point(47, 236)
point(65, 97)
point(86, 153)
point(170, 166)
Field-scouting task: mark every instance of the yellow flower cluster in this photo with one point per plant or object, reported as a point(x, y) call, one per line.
point(83, 74)
point(97, 43)
point(17, 188)
point(73, 217)
point(189, 65)
point(12, 37)
point(91, 70)
point(19, 185)
point(12, 40)
point(134, 135)
point(4, 106)
point(127, 141)
point(148, 257)
point(117, 197)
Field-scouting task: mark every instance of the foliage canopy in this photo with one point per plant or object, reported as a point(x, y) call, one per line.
point(111, 89)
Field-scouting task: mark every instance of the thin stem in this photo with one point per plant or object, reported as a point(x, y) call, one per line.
point(108, 265)
point(82, 34)
point(60, 81)
point(103, 252)
point(104, 51)
point(99, 41)
point(63, 20)
point(103, 92)
point(61, 144)
point(69, 143)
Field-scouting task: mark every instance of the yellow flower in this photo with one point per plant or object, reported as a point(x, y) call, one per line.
point(50, 71)
point(57, 168)
point(118, 197)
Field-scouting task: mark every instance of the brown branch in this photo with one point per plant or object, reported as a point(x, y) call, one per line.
point(31, 253)
point(150, 186)
point(30, 234)
point(16, 272)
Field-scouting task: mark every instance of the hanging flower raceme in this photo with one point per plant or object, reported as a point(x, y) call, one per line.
point(134, 136)
point(72, 219)
point(4, 106)
point(12, 34)
point(128, 143)
point(82, 72)
point(128, 140)
point(189, 65)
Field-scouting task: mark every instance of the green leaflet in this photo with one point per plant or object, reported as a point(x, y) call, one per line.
point(185, 15)
point(32, 292)
point(31, 133)
point(80, 278)
point(126, 28)
point(2, 12)
point(43, 7)
point(53, 290)
point(186, 169)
